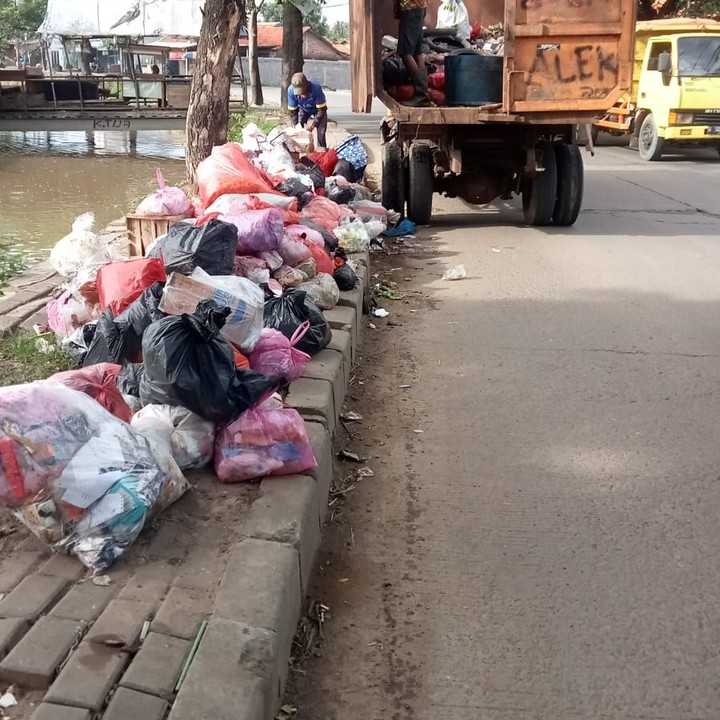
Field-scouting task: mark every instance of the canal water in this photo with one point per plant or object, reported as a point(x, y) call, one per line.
point(48, 179)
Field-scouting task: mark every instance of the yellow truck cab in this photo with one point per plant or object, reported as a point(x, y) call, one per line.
point(675, 98)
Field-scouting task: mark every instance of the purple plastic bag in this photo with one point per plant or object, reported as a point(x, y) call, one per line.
point(293, 251)
point(258, 230)
point(274, 354)
point(266, 440)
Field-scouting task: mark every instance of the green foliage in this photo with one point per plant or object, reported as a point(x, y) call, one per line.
point(18, 19)
point(264, 119)
point(272, 11)
point(12, 261)
point(340, 32)
point(26, 358)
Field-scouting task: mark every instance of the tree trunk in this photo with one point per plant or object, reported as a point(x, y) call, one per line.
point(209, 108)
point(292, 51)
point(256, 91)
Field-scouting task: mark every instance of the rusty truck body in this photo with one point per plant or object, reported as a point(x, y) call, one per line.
point(566, 62)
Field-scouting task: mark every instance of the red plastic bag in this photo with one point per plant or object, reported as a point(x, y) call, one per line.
point(436, 80)
point(403, 93)
point(240, 360)
point(323, 262)
point(119, 283)
point(264, 440)
point(228, 171)
point(100, 383)
point(326, 160)
point(437, 96)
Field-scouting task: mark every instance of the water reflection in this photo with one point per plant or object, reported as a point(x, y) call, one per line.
point(47, 179)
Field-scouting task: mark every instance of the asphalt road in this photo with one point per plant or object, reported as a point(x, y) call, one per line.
point(546, 548)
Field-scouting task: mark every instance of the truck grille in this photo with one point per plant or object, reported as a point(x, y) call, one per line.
point(706, 118)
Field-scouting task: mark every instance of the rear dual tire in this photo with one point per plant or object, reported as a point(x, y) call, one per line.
point(408, 180)
point(554, 195)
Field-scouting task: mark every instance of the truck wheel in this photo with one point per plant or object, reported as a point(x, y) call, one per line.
point(420, 184)
point(570, 184)
point(393, 178)
point(650, 144)
point(540, 190)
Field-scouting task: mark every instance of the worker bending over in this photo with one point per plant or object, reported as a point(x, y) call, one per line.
point(307, 106)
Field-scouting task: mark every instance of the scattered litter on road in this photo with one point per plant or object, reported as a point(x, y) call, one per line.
point(7, 699)
point(496, 250)
point(418, 431)
point(347, 455)
point(102, 580)
point(456, 272)
point(404, 387)
point(286, 712)
point(380, 312)
point(372, 326)
point(365, 472)
point(351, 416)
point(344, 580)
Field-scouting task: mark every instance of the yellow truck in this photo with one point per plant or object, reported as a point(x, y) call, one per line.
point(675, 97)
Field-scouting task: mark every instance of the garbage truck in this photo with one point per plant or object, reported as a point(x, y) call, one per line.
point(565, 63)
point(675, 97)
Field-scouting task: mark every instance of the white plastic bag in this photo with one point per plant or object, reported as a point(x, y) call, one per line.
point(82, 249)
point(244, 298)
point(353, 236)
point(374, 228)
point(253, 138)
point(322, 290)
point(191, 438)
point(276, 161)
point(454, 14)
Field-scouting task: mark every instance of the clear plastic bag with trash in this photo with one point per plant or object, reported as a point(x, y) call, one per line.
point(322, 290)
point(353, 236)
point(81, 251)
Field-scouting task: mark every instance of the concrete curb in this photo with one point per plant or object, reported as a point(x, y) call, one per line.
point(241, 665)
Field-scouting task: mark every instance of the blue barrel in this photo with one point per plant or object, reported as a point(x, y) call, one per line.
point(472, 79)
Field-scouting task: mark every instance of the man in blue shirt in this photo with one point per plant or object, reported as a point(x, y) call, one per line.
point(307, 106)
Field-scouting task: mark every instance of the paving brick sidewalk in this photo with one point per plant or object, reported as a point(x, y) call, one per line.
point(223, 571)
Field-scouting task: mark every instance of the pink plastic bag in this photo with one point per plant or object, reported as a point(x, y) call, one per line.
point(293, 250)
point(306, 234)
point(228, 171)
point(258, 230)
point(66, 314)
point(274, 354)
point(166, 200)
point(325, 213)
point(265, 440)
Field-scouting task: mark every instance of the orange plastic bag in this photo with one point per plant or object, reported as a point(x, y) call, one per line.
point(323, 262)
point(119, 283)
point(228, 171)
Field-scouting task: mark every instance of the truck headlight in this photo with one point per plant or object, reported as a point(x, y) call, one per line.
point(680, 118)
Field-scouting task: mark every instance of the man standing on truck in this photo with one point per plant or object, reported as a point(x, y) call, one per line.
point(411, 14)
point(307, 106)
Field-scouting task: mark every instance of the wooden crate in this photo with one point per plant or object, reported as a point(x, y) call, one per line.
point(143, 230)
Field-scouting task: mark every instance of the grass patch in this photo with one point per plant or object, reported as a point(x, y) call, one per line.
point(266, 120)
point(13, 260)
point(22, 359)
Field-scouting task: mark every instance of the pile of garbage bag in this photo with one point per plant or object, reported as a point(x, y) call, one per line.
point(182, 356)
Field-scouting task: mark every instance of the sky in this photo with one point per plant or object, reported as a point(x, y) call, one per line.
point(335, 10)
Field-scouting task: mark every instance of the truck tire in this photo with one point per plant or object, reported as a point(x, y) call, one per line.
point(393, 178)
point(540, 190)
point(420, 185)
point(570, 177)
point(650, 144)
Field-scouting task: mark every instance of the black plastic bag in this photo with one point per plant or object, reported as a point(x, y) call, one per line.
point(211, 247)
point(294, 187)
point(341, 195)
point(307, 167)
point(139, 315)
point(129, 377)
point(345, 277)
point(188, 363)
point(394, 72)
point(110, 342)
point(287, 312)
point(345, 169)
point(77, 344)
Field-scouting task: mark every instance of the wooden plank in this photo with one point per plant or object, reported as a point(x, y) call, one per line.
point(559, 30)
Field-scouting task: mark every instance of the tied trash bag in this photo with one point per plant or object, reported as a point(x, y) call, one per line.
point(345, 278)
point(241, 296)
point(289, 311)
point(252, 268)
point(277, 355)
point(257, 231)
point(325, 213)
point(266, 440)
point(129, 377)
point(120, 283)
point(100, 382)
point(166, 200)
point(66, 314)
point(80, 250)
point(110, 344)
point(325, 160)
point(322, 290)
point(190, 437)
point(76, 476)
point(228, 171)
point(211, 246)
point(306, 234)
point(139, 315)
point(308, 268)
point(353, 236)
point(77, 344)
point(293, 251)
point(187, 363)
point(313, 171)
point(289, 277)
